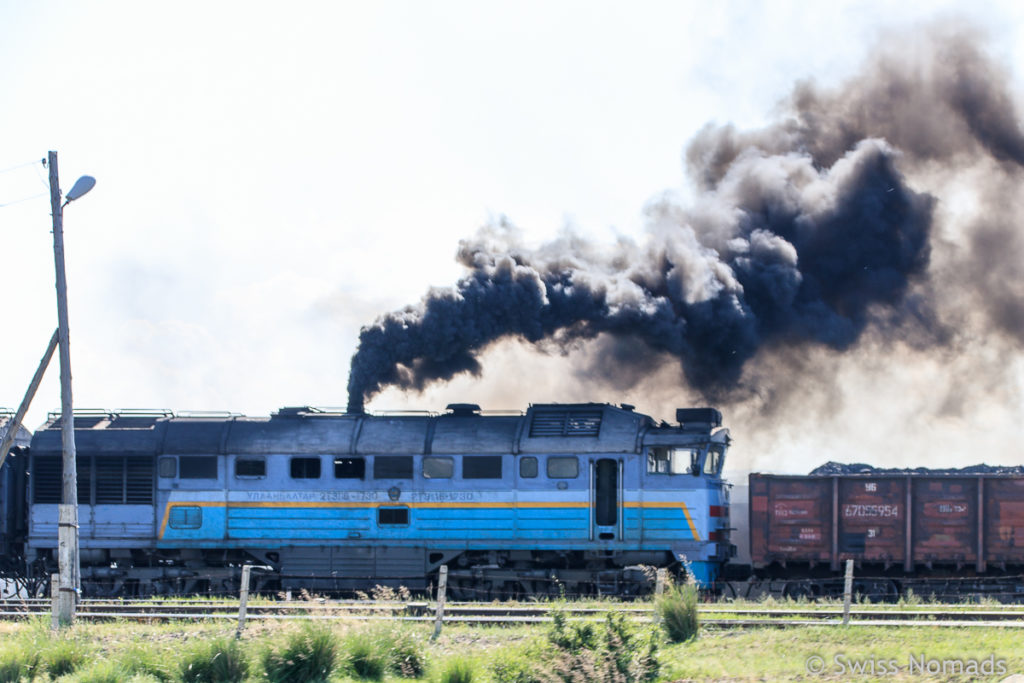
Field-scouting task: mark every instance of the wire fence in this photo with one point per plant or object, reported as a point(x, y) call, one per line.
point(463, 586)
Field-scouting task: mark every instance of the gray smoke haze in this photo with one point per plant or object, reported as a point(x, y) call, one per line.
point(805, 235)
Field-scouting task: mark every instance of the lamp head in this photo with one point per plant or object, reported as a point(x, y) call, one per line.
point(81, 187)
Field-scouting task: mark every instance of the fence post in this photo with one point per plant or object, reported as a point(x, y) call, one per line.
point(442, 588)
point(847, 592)
point(659, 590)
point(55, 601)
point(243, 599)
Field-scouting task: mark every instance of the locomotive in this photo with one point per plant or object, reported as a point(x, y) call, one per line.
point(561, 498)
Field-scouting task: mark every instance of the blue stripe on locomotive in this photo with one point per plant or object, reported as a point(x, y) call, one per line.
point(279, 523)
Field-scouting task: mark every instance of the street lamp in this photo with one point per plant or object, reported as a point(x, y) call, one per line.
point(67, 534)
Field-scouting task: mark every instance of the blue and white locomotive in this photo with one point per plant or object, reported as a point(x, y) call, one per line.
point(573, 497)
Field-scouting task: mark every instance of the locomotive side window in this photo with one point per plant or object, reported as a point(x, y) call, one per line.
point(250, 467)
point(185, 517)
point(392, 467)
point(305, 468)
point(664, 460)
point(349, 468)
point(528, 467)
point(197, 467)
point(392, 516)
point(563, 467)
point(168, 468)
point(481, 467)
point(438, 468)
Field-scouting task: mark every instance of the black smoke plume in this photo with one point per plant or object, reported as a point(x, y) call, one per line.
point(806, 232)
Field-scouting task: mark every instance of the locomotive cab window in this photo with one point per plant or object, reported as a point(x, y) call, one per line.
point(563, 467)
point(438, 468)
point(713, 463)
point(528, 467)
point(250, 467)
point(349, 468)
point(664, 460)
point(305, 468)
point(197, 467)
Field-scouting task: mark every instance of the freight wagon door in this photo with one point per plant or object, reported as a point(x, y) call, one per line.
point(605, 499)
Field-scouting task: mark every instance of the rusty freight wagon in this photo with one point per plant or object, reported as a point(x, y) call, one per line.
point(906, 524)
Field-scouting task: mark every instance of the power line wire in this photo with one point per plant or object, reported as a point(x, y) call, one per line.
point(15, 168)
point(23, 199)
point(44, 181)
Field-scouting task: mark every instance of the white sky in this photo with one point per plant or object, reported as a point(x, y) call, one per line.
point(271, 179)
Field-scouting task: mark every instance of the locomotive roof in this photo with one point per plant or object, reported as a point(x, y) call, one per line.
point(544, 428)
point(21, 437)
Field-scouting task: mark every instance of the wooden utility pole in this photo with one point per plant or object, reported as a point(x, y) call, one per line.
point(68, 521)
point(14, 425)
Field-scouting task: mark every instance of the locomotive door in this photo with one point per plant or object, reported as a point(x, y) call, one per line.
point(605, 499)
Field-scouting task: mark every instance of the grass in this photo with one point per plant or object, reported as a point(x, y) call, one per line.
point(458, 669)
point(677, 612)
point(308, 655)
point(220, 660)
point(17, 663)
point(614, 649)
point(363, 658)
point(783, 654)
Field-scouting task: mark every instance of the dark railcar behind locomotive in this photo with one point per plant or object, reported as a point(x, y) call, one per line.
point(894, 523)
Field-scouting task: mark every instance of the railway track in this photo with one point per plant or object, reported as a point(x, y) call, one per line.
point(506, 614)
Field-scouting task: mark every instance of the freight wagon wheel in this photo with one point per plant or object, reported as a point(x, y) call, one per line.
point(726, 590)
point(877, 590)
point(796, 590)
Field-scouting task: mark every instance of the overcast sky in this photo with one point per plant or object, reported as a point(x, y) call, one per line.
point(270, 177)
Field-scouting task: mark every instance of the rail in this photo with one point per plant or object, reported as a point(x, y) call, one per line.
point(503, 614)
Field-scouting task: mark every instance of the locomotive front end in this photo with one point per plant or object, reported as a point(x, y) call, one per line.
point(685, 500)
